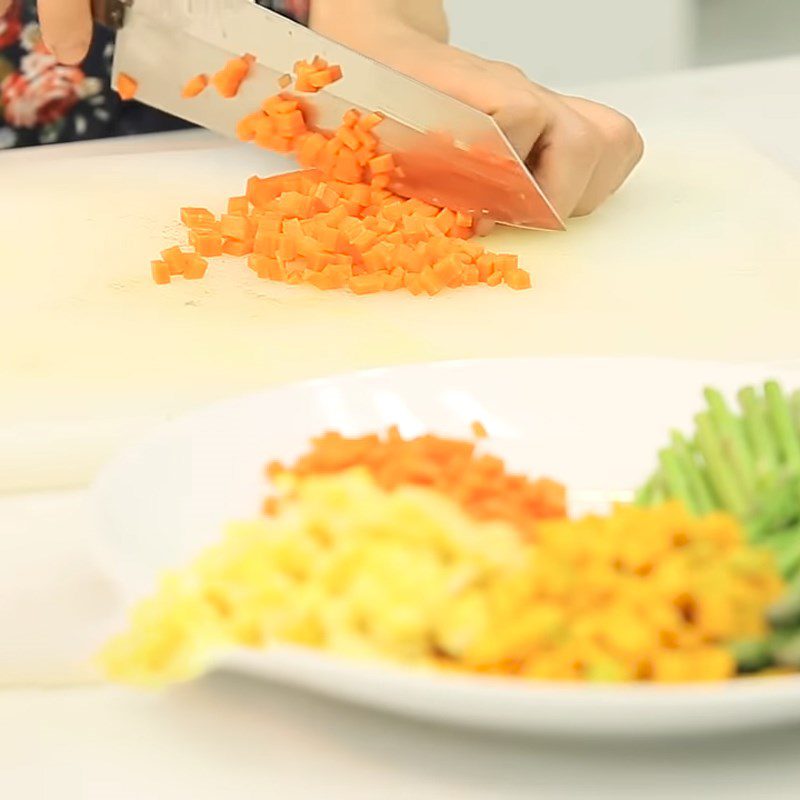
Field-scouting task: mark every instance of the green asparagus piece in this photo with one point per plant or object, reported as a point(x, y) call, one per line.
point(644, 497)
point(787, 553)
point(723, 478)
point(659, 494)
point(794, 408)
point(746, 464)
point(757, 429)
point(776, 509)
point(730, 433)
point(698, 483)
point(781, 419)
point(676, 480)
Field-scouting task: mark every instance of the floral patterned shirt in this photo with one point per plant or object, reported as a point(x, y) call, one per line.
point(42, 101)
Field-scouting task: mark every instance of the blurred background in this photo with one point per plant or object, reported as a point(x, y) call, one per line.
point(566, 42)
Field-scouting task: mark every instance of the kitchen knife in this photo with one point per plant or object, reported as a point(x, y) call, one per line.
point(447, 153)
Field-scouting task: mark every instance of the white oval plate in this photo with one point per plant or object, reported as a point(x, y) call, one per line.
point(595, 424)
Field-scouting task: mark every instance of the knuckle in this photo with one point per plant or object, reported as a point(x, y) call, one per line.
point(524, 105)
point(586, 141)
point(508, 71)
point(622, 133)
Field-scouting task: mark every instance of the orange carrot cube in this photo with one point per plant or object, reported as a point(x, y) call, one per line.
point(160, 271)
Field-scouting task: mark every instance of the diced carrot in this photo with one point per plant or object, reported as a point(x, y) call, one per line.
point(382, 164)
point(238, 205)
point(495, 279)
point(260, 264)
point(310, 149)
point(194, 86)
point(126, 86)
point(207, 243)
point(228, 80)
point(368, 284)
point(471, 277)
point(195, 267)
point(247, 127)
point(430, 281)
point(339, 274)
point(517, 279)
point(266, 243)
point(447, 269)
point(324, 77)
point(347, 168)
point(367, 140)
point(265, 221)
point(380, 181)
point(348, 137)
point(280, 144)
point(236, 247)
point(290, 123)
point(337, 223)
point(160, 271)
point(445, 220)
point(283, 105)
point(175, 259)
point(287, 248)
point(285, 81)
point(275, 270)
point(505, 262)
point(485, 264)
point(196, 217)
point(351, 118)
point(235, 226)
point(464, 220)
point(369, 121)
point(413, 283)
point(394, 280)
point(302, 84)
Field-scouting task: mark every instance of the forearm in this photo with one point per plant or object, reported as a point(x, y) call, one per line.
point(358, 23)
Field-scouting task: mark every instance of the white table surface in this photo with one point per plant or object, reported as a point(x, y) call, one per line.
point(62, 735)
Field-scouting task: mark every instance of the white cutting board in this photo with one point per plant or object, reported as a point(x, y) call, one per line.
point(699, 256)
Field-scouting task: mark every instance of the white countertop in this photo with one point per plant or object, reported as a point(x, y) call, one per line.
point(232, 737)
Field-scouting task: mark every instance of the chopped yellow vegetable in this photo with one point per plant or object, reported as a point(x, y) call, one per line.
point(408, 575)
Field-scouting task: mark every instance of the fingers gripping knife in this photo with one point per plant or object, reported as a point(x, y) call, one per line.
point(447, 153)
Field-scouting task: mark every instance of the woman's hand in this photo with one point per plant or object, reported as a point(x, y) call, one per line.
point(579, 151)
point(66, 27)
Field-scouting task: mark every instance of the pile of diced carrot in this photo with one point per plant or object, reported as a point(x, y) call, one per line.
point(335, 224)
point(479, 483)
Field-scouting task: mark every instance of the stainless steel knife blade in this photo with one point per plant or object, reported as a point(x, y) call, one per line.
point(447, 152)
